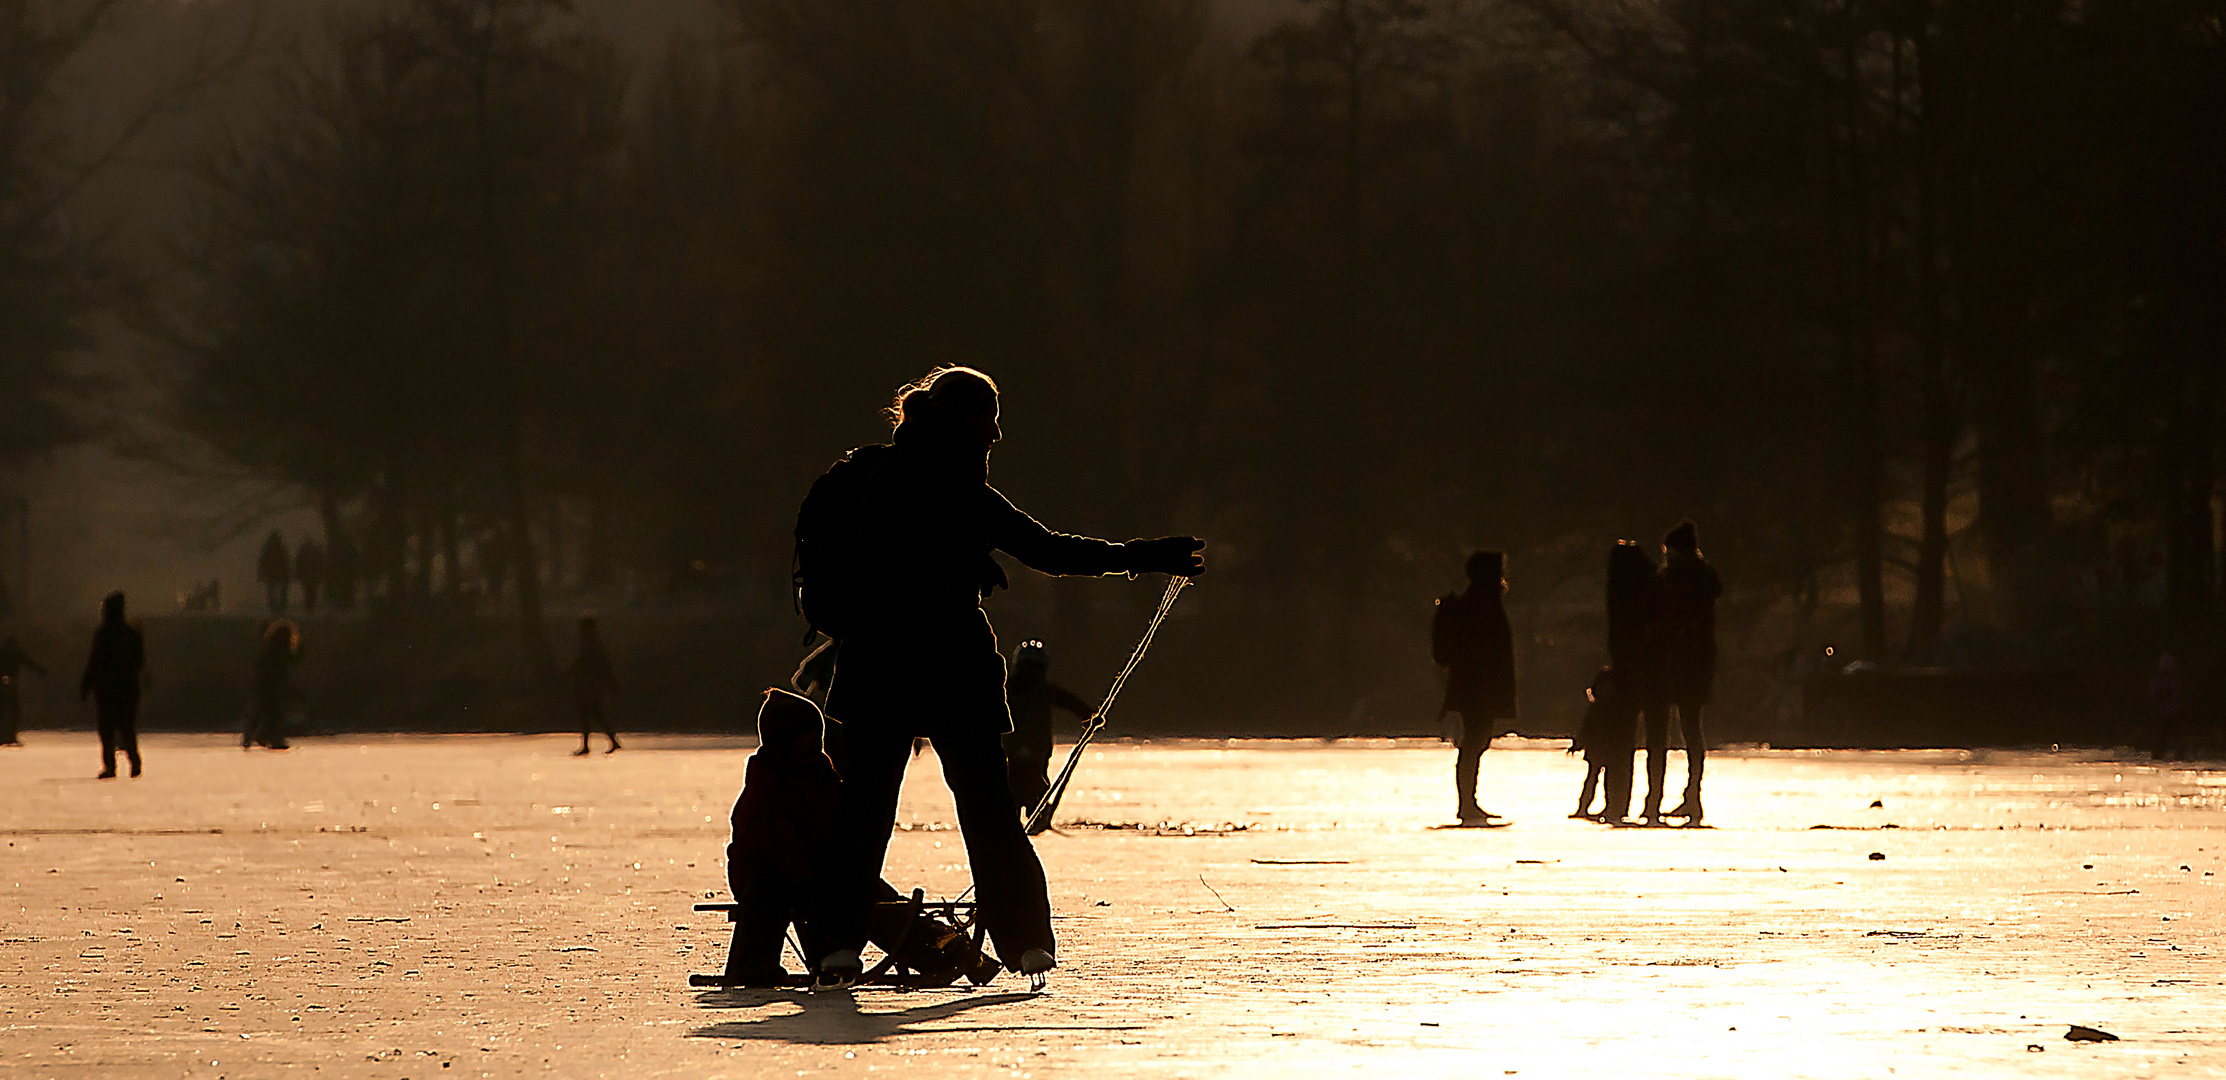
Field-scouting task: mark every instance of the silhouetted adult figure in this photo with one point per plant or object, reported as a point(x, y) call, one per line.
point(274, 686)
point(1689, 591)
point(1032, 695)
point(1635, 603)
point(1470, 639)
point(275, 571)
point(114, 675)
point(592, 683)
point(343, 569)
point(899, 539)
point(309, 570)
point(12, 662)
point(494, 562)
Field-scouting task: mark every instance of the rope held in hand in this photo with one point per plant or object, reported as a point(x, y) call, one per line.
point(1040, 818)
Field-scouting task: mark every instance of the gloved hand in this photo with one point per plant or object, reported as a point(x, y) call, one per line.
point(1175, 555)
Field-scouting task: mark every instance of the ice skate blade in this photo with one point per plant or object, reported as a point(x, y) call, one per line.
point(1038, 981)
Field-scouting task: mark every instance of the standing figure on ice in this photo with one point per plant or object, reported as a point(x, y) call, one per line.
point(592, 683)
point(274, 686)
point(1470, 639)
point(893, 560)
point(1689, 591)
point(1032, 695)
point(12, 662)
point(114, 674)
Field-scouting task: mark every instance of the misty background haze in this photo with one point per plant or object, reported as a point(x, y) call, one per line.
point(1916, 307)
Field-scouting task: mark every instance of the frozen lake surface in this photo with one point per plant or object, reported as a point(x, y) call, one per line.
point(448, 906)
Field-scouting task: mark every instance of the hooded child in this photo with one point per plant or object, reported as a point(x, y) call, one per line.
point(1032, 695)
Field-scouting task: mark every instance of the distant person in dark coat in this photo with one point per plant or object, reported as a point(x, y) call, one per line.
point(592, 683)
point(1032, 695)
point(274, 686)
point(1690, 588)
point(1470, 639)
point(12, 662)
point(114, 675)
point(912, 526)
point(309, 569)
point(1635, 605)
point(783, 822)
point(2164, 701)
point(274, 570)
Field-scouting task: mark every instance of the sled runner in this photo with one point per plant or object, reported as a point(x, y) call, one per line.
point(925, 944)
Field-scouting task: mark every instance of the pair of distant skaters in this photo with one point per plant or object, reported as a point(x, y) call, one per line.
point(1661, 657)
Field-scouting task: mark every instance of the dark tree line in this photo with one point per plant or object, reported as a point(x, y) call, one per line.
point(1915, 304)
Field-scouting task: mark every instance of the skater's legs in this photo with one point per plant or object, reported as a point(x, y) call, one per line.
point(107, 725)
point(11, 715)
point(850, 871)
point(1008, 878)
point(1696, 750)
point(1591, 778)
point(1476, 737)
point(1615, 796)
point(127, 733)
point(1657, 756)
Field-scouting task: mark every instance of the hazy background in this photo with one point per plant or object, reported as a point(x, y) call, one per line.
point(1916, 307)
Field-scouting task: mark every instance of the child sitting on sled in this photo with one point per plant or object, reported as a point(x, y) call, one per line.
point(783, 824)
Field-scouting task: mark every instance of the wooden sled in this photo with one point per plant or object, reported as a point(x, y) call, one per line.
point(925, 944)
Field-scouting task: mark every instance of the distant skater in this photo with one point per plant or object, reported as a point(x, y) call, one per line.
point(274, 686)
point(275, 571)
point(592, 683)
point(1689, 591)
point(1032, 695)
point(115, 674)
point(309, 570)
point(2164, 702)
point(12, 662)
point(1635, 602)
point(1470, 639)
point(893, 560)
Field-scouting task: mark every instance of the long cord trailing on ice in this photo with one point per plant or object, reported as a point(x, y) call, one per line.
point(1040, 818)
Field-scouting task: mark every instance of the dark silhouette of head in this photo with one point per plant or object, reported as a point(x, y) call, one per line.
point(953, 407)
point(1685, 537)
point(1488, 568)
point(281, 636)
point(789, 723)
point(588, 631)
point(112, 607)
point(1030, 662)
point(1628, 561)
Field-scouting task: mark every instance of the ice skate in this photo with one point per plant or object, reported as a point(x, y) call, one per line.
point(838, 971)
point(1036, 964)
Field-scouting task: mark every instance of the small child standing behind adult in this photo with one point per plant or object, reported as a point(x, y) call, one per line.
point(1031, 695)
point(592, 683)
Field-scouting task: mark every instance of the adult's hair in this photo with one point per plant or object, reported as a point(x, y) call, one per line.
point(1685, 536)
point(945, 394)
point(1489, 567)
point(112, 607)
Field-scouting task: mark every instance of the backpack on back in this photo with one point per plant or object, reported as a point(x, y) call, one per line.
point(827, 571)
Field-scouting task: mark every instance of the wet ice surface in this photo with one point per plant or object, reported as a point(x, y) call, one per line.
point(467, 906)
